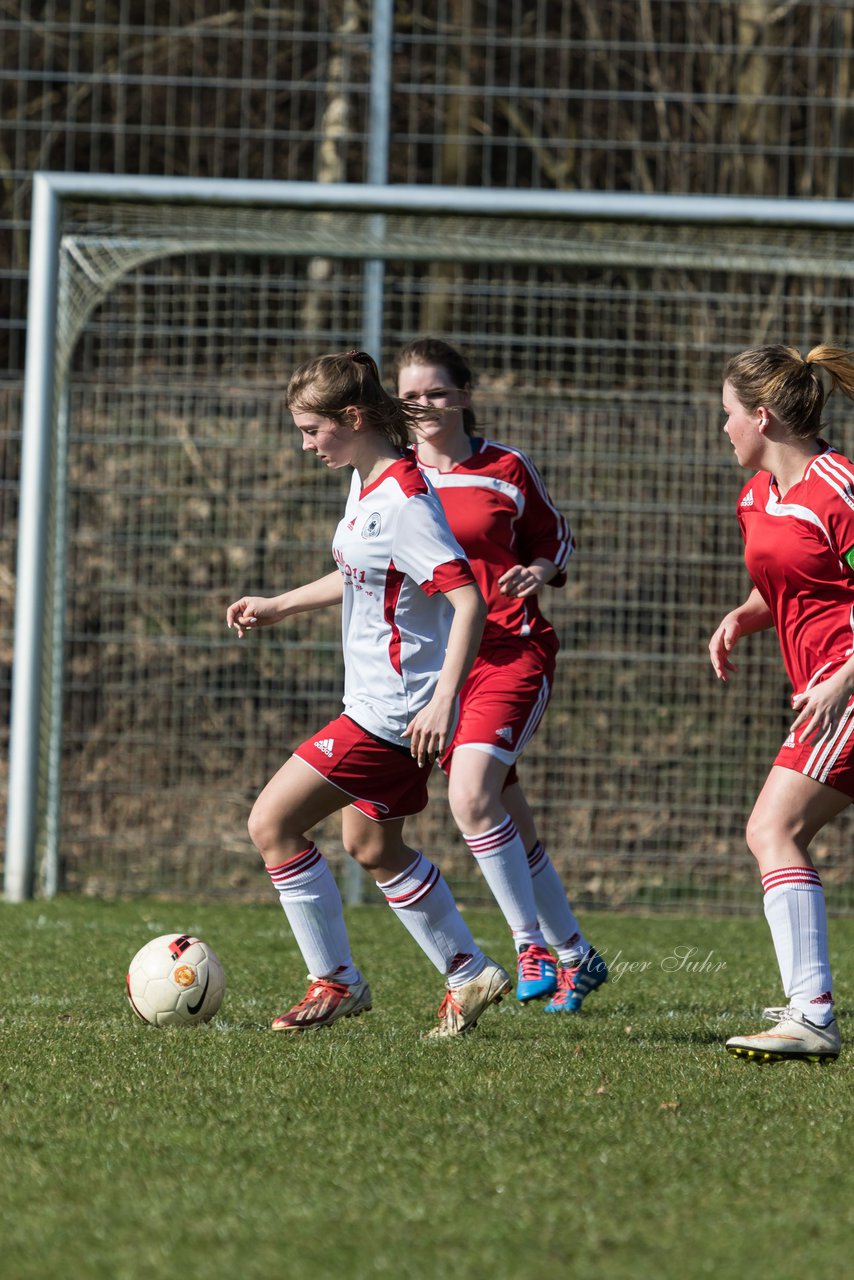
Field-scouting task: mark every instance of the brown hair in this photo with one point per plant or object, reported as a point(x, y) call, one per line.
point(435, 351)
point(331, 384)
point(791, 385)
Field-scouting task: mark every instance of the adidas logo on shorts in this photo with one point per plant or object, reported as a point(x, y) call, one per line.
point(325, 745)
point(506, 733)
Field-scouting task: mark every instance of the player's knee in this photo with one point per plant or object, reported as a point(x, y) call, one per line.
point(262, 830)
point(472, 809)
point(369, 860)
point(366, 848)
point(763, 835)
point(469, 805)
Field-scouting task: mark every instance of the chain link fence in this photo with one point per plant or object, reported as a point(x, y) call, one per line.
point(644, 769)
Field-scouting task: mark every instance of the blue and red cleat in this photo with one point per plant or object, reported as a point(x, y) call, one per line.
point(536, 973)
point(573, 984)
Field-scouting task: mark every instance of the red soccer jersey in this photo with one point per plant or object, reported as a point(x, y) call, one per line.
point(501, 514)
point(794, 551)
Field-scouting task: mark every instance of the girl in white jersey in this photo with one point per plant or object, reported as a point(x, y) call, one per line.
point(412, 618)
point(517, 542)
point(797, 519)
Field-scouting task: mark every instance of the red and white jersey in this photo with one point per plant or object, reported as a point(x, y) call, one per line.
point(501, 512)
point(396, 555)
point(795, 550)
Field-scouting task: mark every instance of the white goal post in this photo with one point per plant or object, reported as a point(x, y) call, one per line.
point(371, 223)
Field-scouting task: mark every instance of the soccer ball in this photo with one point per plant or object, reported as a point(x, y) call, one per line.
point(175, 981)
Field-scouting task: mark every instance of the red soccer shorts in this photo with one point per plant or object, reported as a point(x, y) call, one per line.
point(827, 759)
point(383, 781)
point(502, 703)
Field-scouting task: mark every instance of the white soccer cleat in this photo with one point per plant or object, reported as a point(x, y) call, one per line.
point(794, 1038)
point(461, 1008)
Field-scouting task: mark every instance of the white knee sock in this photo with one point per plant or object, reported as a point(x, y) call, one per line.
point(501, 856)
point(422, 901)
point(557, 919)
point(312, 904)
point(795, 911)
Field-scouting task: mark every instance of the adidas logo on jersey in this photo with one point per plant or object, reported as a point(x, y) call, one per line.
point(506, 733)
point(747, 500)
point(325, 745)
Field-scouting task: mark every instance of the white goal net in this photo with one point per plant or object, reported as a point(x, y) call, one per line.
point(177, 483)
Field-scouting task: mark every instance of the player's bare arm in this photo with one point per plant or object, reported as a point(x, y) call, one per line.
point(751, 616)
point(251, 612)
point(430, 730)
point(525, 580)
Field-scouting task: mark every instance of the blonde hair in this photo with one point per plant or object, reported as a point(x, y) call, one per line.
point(789, 384)
point(331, 384)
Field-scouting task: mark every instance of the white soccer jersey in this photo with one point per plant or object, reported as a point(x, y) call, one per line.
point(396, 554)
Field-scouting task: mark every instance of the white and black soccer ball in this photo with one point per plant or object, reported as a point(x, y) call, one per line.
point(175, 981)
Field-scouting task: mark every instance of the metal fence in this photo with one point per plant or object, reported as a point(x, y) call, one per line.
point(733, 97)
point(607, 373)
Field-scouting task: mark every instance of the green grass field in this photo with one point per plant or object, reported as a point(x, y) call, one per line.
point(623, 1142)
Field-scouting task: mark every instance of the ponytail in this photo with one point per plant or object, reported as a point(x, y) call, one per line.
point(791, 385)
